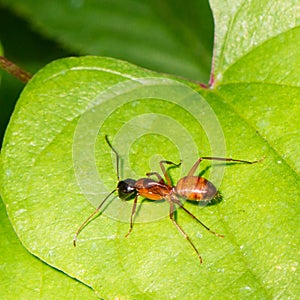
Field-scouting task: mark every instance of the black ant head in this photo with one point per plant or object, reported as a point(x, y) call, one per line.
point(126, 189)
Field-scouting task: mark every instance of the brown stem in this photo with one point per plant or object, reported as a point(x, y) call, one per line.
point(14, 70)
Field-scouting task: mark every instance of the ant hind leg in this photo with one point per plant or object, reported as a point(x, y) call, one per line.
point(196, 164)
point(171, 214)
point(195, 218)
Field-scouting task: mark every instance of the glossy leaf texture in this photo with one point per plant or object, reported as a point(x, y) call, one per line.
point(25, 275)
point(256, 104)
point(46, 205)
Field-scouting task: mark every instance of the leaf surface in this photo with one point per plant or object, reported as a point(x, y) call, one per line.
point(47, 175)
point(47, 200)
point(22, 274)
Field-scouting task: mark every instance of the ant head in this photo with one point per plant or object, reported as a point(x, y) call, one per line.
point(126, 189)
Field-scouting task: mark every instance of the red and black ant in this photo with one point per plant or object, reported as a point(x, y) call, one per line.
point(190, 187)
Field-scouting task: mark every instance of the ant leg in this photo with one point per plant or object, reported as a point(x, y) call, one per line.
point(195, 218)
point(160, 179)
point(195, 166)
point(167, 177)
point(171, 214)
point(90, 218)
point(132, 215)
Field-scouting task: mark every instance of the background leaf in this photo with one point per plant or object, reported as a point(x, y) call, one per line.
point(264, 48)
point(168, 36)
point(243, 27)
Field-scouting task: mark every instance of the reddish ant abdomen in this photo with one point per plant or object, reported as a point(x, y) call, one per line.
point(195, 188)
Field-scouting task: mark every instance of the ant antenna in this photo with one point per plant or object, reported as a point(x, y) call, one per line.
point(90, 217)
point(104, 200)
point(117, 156)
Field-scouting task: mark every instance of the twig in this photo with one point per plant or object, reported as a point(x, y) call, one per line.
point(14, 70)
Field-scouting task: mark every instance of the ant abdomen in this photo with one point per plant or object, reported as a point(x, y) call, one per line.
point(196, 188)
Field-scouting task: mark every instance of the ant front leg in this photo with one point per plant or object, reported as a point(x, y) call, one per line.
point(195, 166)
point(167, 177)
point(132, 215)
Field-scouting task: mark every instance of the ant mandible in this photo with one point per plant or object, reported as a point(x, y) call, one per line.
point(190, 187)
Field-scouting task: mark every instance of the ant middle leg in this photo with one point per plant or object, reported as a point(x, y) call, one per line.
point(195, 166)
point(167, 177)
point(160, 179)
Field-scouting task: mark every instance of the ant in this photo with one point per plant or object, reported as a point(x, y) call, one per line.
point(190, 187)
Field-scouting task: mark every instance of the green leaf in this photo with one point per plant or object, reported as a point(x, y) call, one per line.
point(48, 179)
point(168, 36)
point(25, 276)
point(56, 137)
